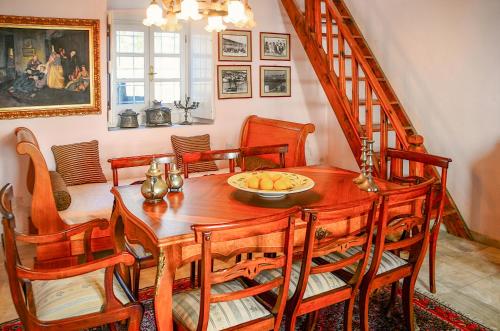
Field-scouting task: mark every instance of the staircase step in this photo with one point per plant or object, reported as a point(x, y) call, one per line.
point(349, 56)
point(336, 35)
point(377, 127)
point(362, 79)
point(362, 102)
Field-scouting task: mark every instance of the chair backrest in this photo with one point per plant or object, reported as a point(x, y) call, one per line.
point(10, 252)
point(194, 157)
point(279, 149)
point(139, 161)
point(417, 163)
point(231, 239)
point(319, 241)
point(259, 131)
point(44, 214)
point(412, 226)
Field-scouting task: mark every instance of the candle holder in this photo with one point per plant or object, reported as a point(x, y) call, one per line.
point(369, 184)
point(187, 109)
point(362, 176)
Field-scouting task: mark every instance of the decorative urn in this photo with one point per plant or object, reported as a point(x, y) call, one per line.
point(128, 119)
point(175, 180)
point(158, 115)
point(154, 187)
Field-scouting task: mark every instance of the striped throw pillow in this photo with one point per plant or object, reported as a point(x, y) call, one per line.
point(79, 163)
point(183, 145)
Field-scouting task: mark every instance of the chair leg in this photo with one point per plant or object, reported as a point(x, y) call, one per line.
point(364, 301)
point(136, 273)
point(392, 301)
point(134, 323)
point(312, 319)
point(348, 313)
point(408, 288)
point(432, 261)
point(192, 276)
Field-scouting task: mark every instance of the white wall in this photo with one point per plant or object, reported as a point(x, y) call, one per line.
point(307, 104)
point(442, 57)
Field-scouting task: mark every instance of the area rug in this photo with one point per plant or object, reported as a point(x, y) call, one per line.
point(430, 314)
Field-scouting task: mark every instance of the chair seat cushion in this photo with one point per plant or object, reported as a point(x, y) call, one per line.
point(186, 308)
point(74, 296)
point(317, 283)
point(389, 260)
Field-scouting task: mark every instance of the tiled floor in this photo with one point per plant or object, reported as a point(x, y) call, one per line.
point(468, 279)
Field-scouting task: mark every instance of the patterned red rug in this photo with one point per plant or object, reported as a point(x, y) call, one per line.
point(430, 315)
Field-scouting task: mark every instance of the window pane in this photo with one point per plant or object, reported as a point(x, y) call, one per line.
point(130, 93)
point(167, 91)
point(129, 67)
point(130, 42)
point(167, 42)
point(168, 67)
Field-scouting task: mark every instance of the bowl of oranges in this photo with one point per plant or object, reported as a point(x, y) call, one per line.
point(271, 184)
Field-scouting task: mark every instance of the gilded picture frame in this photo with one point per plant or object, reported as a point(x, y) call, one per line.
point(49, 67)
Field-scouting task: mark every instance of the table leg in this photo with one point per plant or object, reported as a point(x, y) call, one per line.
point(168, 259)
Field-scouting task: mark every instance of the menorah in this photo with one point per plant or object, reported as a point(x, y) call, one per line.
point(187, 108)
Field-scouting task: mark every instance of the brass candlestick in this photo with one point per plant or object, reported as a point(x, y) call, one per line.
point(362, 176)
point(369, 184)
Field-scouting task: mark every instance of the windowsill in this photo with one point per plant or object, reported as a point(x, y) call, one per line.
point(196, 121)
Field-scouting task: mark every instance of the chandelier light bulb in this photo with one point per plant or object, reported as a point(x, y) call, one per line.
point(215, 24)
point(171, 23)
point(236, 11)
point(190, 9)
point(154, 14)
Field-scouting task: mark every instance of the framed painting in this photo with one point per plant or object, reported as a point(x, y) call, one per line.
point(235, 45)
point(275, 81)
point(49, 67)
point(275, 46)
point(234, 82)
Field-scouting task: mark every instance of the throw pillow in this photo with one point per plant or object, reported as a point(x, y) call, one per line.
point(254, 163)
point(79, 163)
point(183, 145)
point(60, 191)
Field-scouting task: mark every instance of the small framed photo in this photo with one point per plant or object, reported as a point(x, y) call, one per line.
point(275, 81)
point(235, 45)
point(275, 46)
point(234, 81)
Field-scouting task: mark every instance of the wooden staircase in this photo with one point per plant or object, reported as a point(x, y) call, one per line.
point(358, 90)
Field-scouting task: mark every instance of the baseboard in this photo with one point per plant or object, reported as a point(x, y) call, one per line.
point(481, 238)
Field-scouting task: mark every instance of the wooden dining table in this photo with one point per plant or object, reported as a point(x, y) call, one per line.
point(164, 229)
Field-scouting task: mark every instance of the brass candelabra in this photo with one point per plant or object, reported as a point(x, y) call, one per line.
point(187, 109)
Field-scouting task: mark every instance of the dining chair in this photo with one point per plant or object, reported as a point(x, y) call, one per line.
point(385, 265)
point(71, 298)
point(396, 175)
point(258, 151)
point(143, 259)
point(224, 301)
point(314, 283)
point(231, 155)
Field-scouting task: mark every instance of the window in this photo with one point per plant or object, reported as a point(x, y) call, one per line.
point(148, 64)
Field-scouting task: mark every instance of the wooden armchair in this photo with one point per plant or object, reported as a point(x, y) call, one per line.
point(195, 157)
point(280, 149)
point(143, 259)
point(222, 291)
point(417, 163)
point(259, 131)
point(73, 298)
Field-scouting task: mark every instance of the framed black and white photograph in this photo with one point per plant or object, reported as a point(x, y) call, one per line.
point(235, 45)
point(275, 81)
point(234, 82)
point(274, 46)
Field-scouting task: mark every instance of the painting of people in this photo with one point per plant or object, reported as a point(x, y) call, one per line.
point(46, 69)
point(274, 46)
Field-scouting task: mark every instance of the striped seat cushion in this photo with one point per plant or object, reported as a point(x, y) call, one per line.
point(389, 260)
point(317, 284)
point(183, 145)
point(74, 296)
point(186, 308)
point(79, 163)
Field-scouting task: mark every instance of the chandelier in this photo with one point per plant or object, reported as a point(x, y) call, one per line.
point(168, 13)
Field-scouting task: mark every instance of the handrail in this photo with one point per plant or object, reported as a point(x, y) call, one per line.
point(370, 76)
